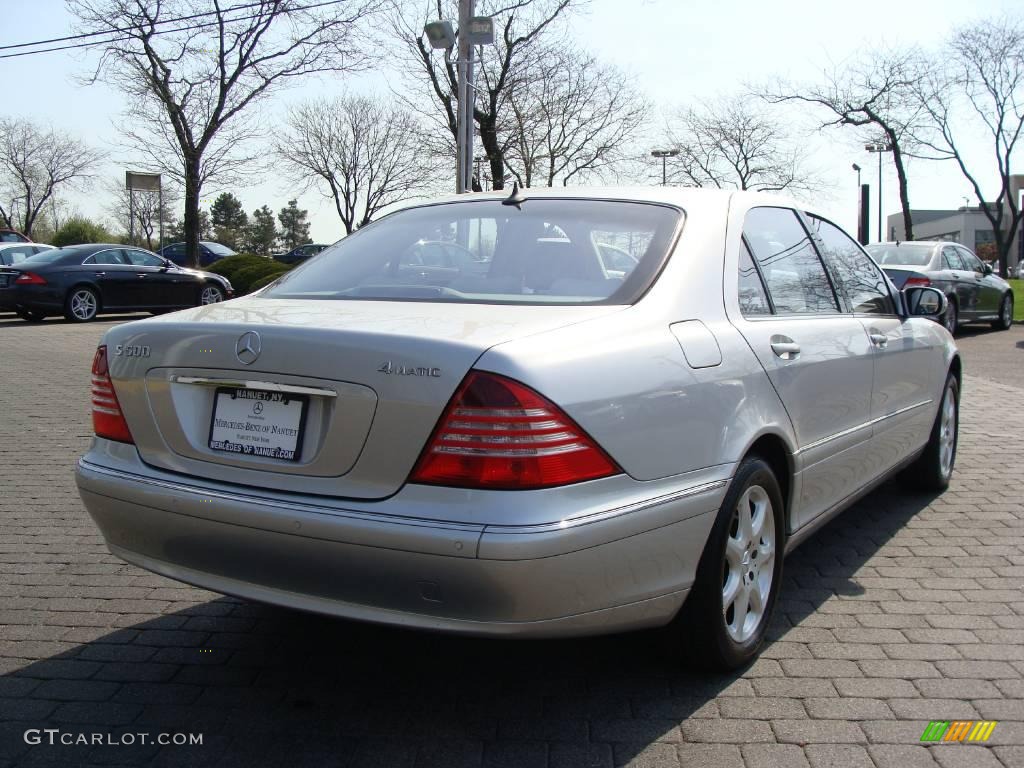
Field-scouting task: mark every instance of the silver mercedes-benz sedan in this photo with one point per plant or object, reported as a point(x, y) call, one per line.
point(462, 418)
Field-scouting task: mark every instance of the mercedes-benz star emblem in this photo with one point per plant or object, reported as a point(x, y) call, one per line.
point(248, 347)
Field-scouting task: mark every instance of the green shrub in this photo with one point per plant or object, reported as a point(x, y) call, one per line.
point(232, 265)
point(268, 279)
point(244, 278)
point(78, 230)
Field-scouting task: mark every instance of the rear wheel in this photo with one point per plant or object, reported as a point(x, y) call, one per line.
point(952, 318)
point(1005, 314)
point(31, 315)
point(81, 305)
point(932, 471)
point(733, 597)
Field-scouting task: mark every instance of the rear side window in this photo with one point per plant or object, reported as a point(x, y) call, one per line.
point(951, 259)
point(787, 259)
point(856, 276)
point(545, 251)
point(753, 297)
point(108, 257)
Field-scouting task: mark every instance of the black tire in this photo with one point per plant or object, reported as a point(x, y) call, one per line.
point(952, 317)
point(932, 471)
point(31, 315)
point(704, 621)
point(1005, 314)
point(78, 308)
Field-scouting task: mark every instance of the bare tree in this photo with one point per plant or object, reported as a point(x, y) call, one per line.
point(363, 153)
point(978, 88)
point(35, 163)
point(875, 92)
point(141, 214)
point(731, 143)
point(203, 75)
point(572, 117)
point(518, 25)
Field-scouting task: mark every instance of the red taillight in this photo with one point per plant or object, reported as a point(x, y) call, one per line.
point(107, 419)
point(497, 433)
point(917, 281)
point(29, 278)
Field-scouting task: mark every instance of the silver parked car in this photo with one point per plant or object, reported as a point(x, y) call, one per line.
point(536, 446)
point(973, 292)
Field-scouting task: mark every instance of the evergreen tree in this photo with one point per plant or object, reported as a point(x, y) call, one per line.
point(229, 220)
point(294, 226)
point(176, 229)
point(261, 234)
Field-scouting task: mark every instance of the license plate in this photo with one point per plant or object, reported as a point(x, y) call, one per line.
point(254, 422)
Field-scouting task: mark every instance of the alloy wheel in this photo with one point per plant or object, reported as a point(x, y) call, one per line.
point(211, 295)
point(749, 564)
point(1007, 317)
point(947, 432)
point(83, 304)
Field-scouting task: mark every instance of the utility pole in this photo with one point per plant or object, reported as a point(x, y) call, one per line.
point(466, 96)
point(664, 154)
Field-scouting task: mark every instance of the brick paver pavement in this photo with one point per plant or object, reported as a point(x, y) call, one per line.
point(907, 608)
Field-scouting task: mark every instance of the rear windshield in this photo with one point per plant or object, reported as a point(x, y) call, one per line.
point(549, 251)
point(907, 254)
point(48, 257)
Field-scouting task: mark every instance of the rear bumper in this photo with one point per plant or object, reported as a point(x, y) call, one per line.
point(626, 569)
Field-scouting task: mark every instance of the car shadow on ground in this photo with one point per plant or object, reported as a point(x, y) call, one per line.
point(268, 686)
point(10, 320)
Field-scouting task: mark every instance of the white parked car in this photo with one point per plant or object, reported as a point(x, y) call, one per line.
point(538, 445)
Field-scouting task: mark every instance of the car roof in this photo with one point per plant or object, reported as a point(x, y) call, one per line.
point(4, 246)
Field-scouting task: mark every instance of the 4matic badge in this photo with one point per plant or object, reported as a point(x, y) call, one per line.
point(390, 369)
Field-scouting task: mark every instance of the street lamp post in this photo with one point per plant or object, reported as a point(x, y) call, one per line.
point(664, 154)
point(879, 148)
point(860, 214)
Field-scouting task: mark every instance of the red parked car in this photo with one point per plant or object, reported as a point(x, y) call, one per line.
point(10, 236)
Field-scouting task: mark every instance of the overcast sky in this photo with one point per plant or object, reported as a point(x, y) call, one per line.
point(679, 50)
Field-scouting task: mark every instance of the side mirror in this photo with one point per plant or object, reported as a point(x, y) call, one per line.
point(922, 301)
point(987, 268)
point(168, 264)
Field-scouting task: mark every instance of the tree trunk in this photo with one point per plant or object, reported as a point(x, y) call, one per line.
point(901, 175)
point(192, 211)
point(489, 139)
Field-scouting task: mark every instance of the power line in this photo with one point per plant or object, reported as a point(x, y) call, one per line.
point(203, 25)
point(123, 29)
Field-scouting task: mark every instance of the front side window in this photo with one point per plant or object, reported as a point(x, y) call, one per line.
point(856, 276)
point(971, 262)
point(143, 259)
point(788, 261)
point(546, 251)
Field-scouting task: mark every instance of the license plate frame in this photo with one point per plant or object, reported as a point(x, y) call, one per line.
point(259, 438)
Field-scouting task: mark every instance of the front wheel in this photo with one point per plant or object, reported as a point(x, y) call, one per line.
point(81, 305)
point(1005, 314)
point(733, 597)
point(932, 471)
point(210, 294)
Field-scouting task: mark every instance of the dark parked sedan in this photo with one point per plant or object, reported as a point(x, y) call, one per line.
point(300, 254)
point(82, 281)
point(975, 294)
point(209, 252)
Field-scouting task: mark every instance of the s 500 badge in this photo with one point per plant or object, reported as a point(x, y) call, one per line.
point(131, 350)
point(407, 370)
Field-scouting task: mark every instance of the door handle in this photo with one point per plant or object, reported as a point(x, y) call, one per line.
point(787, 350)
point(879, 339)
point(100, 274)
point(139, 274)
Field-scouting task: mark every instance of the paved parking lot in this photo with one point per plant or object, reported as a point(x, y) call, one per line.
point(906, 609)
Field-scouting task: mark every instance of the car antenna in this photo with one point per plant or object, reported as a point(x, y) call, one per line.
point(516, 198)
